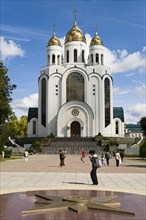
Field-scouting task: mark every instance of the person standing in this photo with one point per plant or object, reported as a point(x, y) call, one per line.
point(93, 174)
point(3, 155)
point(62, 157)
point(83, 155)
point(103, 159)
point(117, 158)
point(26, 155)
point(107, 157)
point(122, 155)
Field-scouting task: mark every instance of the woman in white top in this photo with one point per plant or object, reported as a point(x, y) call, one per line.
point(118, 158)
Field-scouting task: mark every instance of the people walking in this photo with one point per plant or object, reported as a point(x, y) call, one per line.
point(62, 157)
point(93, 174)
point(117, 158)
point(103, 159)
point(122, 155)
point(107, 157)
point(83, 155)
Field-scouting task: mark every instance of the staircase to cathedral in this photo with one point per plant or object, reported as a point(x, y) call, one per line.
point(72, 146)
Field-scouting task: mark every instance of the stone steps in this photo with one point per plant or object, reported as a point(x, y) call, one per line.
point(70, 147)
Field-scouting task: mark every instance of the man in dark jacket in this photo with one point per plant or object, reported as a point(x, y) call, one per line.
point(62, 157)
point(107, 157)
point(93, 174)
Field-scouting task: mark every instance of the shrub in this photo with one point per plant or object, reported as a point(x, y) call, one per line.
point(36, 146)
point(142, 152)
point(8, 153)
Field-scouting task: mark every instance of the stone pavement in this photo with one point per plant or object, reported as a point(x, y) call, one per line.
point(42, 172)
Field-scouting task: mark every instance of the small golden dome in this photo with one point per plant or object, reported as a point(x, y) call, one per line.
point(75, 34)
point(54, 41)
point(96, 40)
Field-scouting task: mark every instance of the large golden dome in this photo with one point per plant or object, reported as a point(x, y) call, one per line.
point(54, 41)
point(75, 34)
point(96, 40)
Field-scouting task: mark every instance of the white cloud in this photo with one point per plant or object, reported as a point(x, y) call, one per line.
point(129, 74)
point(135, 113)
point(18, 31)
point(17, 38)
point(9, 49)
point(26, 102)
point(118, 91)
point(140, 91)
point(144, 49)
point(88, 38)
point(20, 106)
point(120, 60)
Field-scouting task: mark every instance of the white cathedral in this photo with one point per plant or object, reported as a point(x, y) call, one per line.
point(75, 97)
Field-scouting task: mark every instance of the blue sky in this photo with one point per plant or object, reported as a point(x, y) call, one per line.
point(26, 27)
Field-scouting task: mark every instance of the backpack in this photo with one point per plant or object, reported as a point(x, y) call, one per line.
point(97, 163)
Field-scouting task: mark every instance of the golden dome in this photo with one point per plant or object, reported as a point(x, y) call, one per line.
point(96, 40)
point(75, 34)
point(54, 41)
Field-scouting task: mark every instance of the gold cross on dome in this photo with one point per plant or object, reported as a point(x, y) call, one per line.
point(75, 13)
point(54, 26)
point(96, 25)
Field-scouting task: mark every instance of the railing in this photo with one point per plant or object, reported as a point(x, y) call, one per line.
point(138, 143)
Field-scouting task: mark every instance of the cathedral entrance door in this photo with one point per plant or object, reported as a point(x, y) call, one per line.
point(75, 129)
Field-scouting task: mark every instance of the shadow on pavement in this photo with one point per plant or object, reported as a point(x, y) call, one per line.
point(138, 166)
point(76, 183)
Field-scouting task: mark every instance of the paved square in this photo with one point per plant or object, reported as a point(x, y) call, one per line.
point(42, 172)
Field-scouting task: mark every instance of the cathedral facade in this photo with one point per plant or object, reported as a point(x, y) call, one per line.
point(75, 97)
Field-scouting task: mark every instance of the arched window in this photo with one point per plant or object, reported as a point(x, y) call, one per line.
point(34, 127)
point(91, 58)
point(97, 57)
point(107, 101)
point(117, 127)
point(101, 59)
point(75, 87)
point(61, 59)
point(83, 56)
point(43, 102)
point(58, 59)
point(53, 59)
point(67, 56)
point(75, 55)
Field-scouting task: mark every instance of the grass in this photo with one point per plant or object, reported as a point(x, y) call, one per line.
point(13, 157)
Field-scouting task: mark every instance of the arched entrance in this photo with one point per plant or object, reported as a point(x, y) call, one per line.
point(75, 129)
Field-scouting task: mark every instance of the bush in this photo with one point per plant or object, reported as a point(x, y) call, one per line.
point(142, 152)
point(36, 146)
point(8, 153)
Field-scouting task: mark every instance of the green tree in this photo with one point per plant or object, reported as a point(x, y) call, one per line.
point(23, 126)
point(143, 125)
point(6, 89)
point(18, 127)
point(13, 125)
